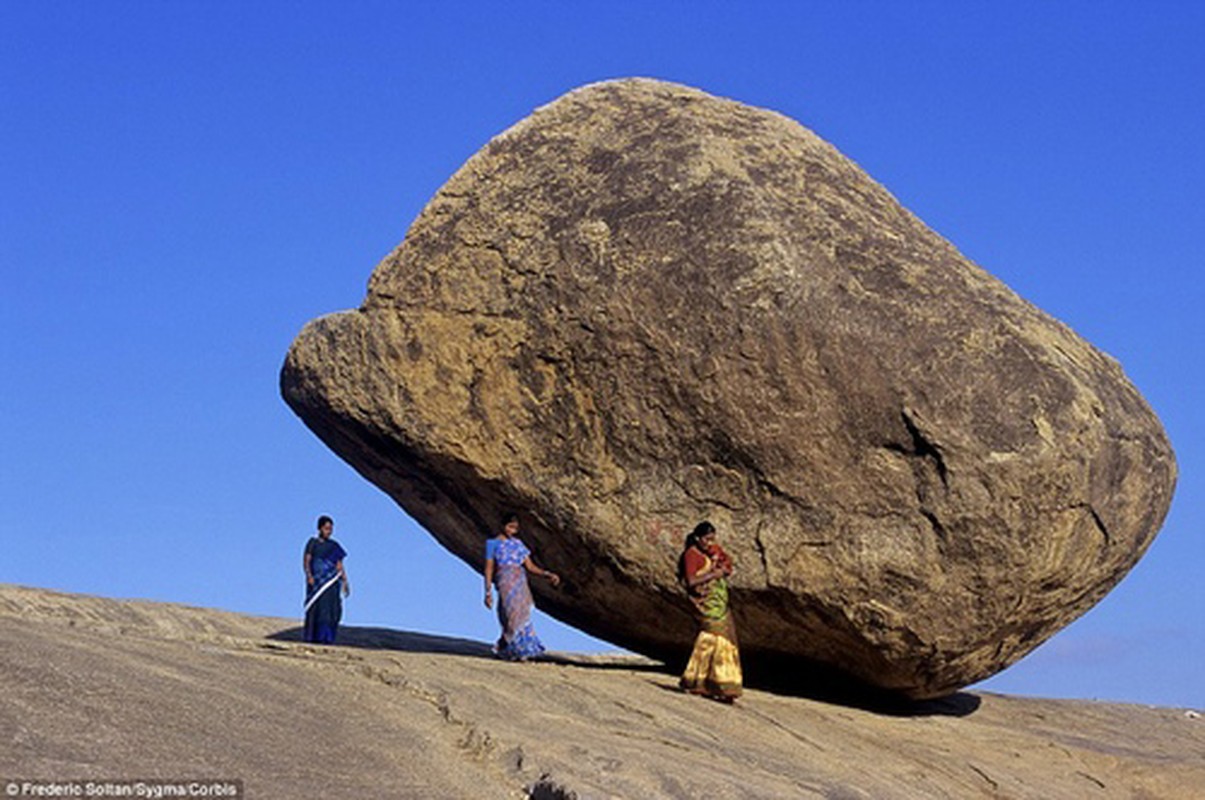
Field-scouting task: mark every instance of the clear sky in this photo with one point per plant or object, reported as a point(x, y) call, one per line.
point(184, 184)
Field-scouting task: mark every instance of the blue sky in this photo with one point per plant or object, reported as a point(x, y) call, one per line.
point(184, 184)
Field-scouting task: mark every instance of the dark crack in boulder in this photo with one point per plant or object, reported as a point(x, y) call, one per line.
point(643, 306)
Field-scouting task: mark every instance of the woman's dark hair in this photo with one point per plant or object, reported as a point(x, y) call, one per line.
point(323, 520)
point(508, 517)
point(692, 540)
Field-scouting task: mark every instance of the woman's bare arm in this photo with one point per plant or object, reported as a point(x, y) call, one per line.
point(489, 582)
point(531, 567)
point(704, 576)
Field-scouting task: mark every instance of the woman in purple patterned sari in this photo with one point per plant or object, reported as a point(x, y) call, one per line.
point(507, 562)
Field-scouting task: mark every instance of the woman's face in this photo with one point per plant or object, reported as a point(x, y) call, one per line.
point(707, 540)
point(511, 528)
point(324, 532)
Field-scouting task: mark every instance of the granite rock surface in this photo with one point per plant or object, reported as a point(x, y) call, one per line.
point(100, 689)
point(644, 306)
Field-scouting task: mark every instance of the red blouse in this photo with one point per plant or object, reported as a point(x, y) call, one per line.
point(694, 562)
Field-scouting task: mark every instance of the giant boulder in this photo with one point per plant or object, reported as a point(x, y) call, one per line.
point(643, 306)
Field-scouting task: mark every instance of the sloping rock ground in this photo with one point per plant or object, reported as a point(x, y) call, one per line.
point(96, 688)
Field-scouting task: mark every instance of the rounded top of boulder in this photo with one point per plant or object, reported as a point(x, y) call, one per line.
point(644, 305)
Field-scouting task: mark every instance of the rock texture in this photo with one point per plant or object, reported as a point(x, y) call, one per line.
point(644, 306)
point(101, 689)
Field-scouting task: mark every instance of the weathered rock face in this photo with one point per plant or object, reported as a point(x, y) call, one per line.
point(644, 306)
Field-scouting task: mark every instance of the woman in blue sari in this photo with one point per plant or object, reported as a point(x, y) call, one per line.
point(507, 562)
point(323, 562)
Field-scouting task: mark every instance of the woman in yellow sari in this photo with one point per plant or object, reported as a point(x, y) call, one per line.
point(714, 668)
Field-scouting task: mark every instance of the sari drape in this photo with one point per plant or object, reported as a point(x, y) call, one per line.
point(323, 605)
point(715, 662)
point(518, 640)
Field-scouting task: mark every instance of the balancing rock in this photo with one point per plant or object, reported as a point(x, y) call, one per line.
point(644, 306)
